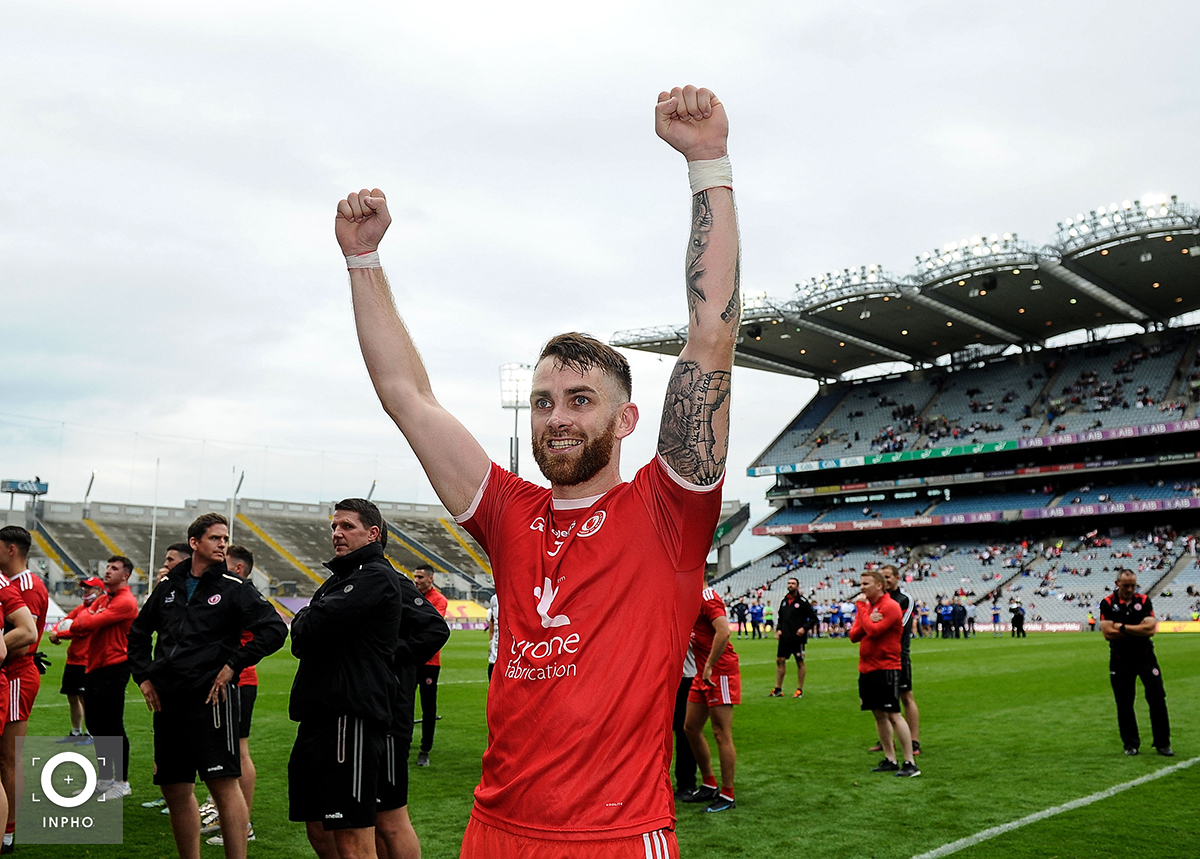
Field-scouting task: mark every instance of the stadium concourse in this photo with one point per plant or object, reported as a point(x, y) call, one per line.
point(1010, 422)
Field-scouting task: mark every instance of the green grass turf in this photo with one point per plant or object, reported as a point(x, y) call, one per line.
point(1010, 727)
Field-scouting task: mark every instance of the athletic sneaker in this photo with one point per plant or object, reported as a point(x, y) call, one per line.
point(85, 740)
point(886, 766)
point(704, 793)
point(114, 790)
point(1131, 751)
point(211, 827)
point(909, 770)
point(422, 759)
point(155, 803)
point(219, 840)
point(70, 738)
point(878, 747)
point(916, 747)
point(721, 804)
point(1166, 751)
point(799, 693)
point(775, 693)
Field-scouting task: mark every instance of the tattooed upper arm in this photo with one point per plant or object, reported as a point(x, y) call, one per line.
point(694, 435)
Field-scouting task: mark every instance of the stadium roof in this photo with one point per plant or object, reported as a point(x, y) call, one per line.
point(1131, 262)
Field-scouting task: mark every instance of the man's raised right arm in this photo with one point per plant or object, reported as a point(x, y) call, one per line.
point(454, 461)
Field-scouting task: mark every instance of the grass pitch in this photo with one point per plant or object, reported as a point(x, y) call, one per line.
point(1008, 727)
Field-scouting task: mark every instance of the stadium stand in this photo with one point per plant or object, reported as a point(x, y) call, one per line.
point(1182, 597)
point(993, 403)
point(794, 444)
point(1033, 497)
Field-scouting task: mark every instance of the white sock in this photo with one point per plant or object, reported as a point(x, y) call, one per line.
point(8, 838)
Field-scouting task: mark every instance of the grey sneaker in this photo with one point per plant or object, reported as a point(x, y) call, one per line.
point(422, 759)
point(909, 770)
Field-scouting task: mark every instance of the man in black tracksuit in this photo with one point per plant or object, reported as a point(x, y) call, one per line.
point(199, 612)
point(345, 687)
point(423, 632)
point(796, 617)
point(1127, 621)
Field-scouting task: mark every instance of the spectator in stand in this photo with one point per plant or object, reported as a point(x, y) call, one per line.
point(75, 671)
point(106, 625)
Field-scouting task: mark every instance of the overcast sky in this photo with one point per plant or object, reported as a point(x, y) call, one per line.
point(170, 173)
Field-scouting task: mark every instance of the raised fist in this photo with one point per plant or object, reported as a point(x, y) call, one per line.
point(693, 121)
point(361, 221)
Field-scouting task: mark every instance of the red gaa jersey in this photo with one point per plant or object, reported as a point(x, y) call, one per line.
point(78, 647)
point(10, 601)
point(37, 599)
point(106, 623)
point(438, 600)
point(580, 705)
point(711, 607)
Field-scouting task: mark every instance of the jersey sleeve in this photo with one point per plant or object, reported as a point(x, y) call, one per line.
point(10, 600)
point(482, 519)
point(1105, 610)
point(712, 606)
point(1149, 608)
point(685, 515)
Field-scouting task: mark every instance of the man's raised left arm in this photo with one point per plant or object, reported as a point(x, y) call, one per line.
point(694, 434)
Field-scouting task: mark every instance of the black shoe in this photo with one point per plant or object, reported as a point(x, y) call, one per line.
point(422, 759)
point(1131, 751)
point(1166, 751)
point(775, 693)
point(8, 848)
point(721, 804)
point(683, 793)
point(886, 766)
point(916, 747)
point(909, 770)
point(704, 793)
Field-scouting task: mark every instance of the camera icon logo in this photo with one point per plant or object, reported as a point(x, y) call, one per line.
point(61, 796)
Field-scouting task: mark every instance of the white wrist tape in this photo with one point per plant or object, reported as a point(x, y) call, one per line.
point(717, 173)
point(367, 260)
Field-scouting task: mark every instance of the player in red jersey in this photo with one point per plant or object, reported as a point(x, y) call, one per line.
point(75, 671)
point(561, 699)
point(716, 687)
point(427, 674)
point(877, 626)
point(24, 679)
point(106, 626)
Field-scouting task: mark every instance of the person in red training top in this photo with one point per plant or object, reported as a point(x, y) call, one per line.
point(240, 562)
point(74, 682)
point(106, 626)
point(579, 737)
point(877, 629)
point(716, 687)
point(427, 674)
point(24, 678)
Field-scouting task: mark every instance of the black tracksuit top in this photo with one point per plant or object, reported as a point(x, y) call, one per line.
point(198, 637)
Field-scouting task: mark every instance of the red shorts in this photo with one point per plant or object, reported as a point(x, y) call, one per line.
point(3, 700)
point(724, 689)
point(23, 684)
point(487, 842)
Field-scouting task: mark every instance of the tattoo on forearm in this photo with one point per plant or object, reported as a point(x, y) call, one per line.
point(687, 440)
point(702, 222)
point(733, 310)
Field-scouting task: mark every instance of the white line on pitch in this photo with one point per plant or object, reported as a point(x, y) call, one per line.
point(963, 843)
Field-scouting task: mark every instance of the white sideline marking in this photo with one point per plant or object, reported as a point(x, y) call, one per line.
point(971, 840)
